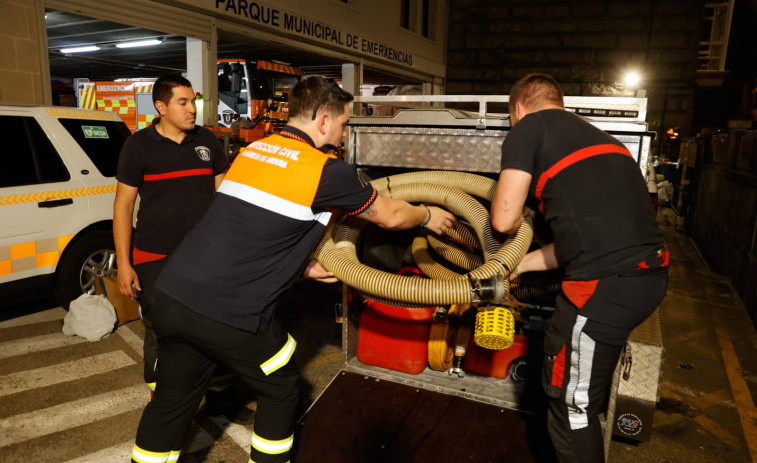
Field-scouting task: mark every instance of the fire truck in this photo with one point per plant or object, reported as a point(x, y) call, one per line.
point(253, 92)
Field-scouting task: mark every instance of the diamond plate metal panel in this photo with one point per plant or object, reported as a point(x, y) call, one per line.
point(429, 148)
point(644, 364)
point(448, 148)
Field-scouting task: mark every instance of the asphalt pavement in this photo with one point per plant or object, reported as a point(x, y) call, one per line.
point(66, 399)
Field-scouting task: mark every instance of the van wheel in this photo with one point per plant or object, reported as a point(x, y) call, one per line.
point(92, 255)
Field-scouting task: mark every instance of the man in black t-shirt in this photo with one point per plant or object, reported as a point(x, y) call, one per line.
point(175, 167)
point(221, 286)
point(591, 192)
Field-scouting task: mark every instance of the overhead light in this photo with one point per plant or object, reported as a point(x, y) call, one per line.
point(139, 43)
point(80, 49)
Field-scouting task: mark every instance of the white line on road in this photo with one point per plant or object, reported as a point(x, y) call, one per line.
point(26, 426)
point(132, 339)
point(36, 344)
point(199, 439)
point(69, 371)
point(120, 452)
point(45, 316)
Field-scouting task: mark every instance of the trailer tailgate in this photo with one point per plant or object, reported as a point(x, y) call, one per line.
point(368, 419)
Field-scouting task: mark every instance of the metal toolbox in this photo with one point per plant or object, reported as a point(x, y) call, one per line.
point(639, 381)
point(433, 138)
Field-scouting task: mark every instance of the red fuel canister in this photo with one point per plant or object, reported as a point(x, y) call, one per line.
point(394, 337)
point(494, 363)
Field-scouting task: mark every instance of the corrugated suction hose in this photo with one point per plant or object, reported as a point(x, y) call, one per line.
point(451, 190)
point(463, 258)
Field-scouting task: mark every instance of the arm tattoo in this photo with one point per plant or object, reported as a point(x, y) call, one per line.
point(368, 212)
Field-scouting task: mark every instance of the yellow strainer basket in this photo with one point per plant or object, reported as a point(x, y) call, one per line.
point(495, 328)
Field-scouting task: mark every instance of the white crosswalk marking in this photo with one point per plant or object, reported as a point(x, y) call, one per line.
point(19, 428)
point(77, 369)
point(131, 338)
point(199, 439)
point(40, 317)
point(17, 389)
point(120, 452)
point(37, 344)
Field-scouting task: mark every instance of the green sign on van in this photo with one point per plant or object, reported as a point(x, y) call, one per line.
point(94, 131)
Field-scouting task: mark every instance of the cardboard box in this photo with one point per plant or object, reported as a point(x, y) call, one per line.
point(127, 308)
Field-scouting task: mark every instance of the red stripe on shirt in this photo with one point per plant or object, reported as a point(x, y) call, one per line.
point(142, 257)
point(178, 174)
point(573, 158)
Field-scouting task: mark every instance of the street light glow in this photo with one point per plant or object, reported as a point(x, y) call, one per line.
point(632, 79)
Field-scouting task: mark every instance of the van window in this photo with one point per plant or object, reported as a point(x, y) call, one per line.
point(28, 157)
point(100, 140)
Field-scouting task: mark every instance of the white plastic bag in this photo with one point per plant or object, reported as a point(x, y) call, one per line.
point(90, 316)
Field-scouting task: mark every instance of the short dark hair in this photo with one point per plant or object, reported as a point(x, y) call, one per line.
point(536, 90)
point(316, 91)
point(162, 89)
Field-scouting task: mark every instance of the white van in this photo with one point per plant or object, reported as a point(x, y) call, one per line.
point(57, 185)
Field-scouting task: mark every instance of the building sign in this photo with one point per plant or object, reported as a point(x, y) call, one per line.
point(289, 22)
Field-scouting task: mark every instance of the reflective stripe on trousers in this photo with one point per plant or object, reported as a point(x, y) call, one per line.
point(145, 456)
point(281, 357)
point(272, 447)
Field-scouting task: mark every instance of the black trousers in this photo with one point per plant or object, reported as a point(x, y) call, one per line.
point(189, 347)
point(590, 326)
point(148, 273)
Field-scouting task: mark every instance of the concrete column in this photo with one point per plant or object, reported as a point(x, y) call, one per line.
point(435, 87)
point(352, 81)
point(201, 71)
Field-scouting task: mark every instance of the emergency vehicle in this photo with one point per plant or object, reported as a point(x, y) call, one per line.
point(131, 100)
point(255, 90)
point(57, 188)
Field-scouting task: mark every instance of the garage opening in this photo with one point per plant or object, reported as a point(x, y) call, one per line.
point(255, 75)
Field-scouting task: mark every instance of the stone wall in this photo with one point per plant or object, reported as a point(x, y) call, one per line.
point(20, 63)
point(724, 214)
point(586, 45)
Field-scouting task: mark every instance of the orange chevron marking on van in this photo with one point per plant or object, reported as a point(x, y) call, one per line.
point(12, 200)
